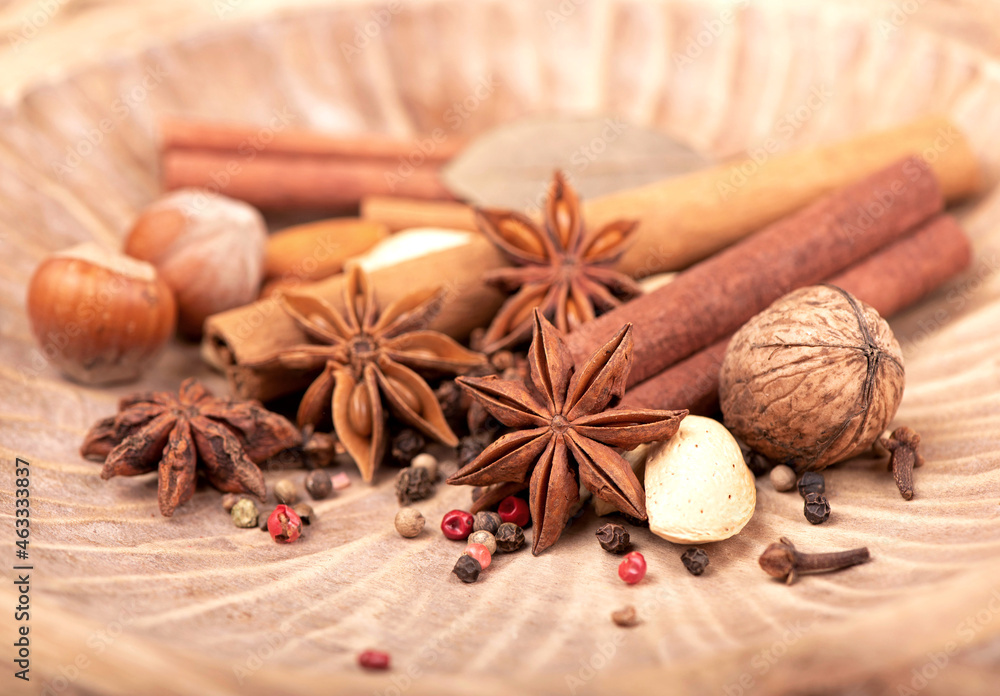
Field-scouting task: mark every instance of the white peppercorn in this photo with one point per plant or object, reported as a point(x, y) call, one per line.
point(427, 461)
point(782, 478)
point(284, 491)
point(486, 539)
point(409, 522)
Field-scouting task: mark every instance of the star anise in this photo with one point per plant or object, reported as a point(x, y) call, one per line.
point(566, 427)
point(173, 433)
point(560, 269)
point(365, 355)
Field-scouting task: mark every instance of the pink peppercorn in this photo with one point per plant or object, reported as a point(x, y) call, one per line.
point(480, 553)
point(633, 568)
point(284, 525)
point(340, 481)
point(514, 509)
point(374, 659)
point(457, 525)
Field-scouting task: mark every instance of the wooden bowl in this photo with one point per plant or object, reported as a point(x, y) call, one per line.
point(124, 601)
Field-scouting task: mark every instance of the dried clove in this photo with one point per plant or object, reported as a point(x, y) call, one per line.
point(812, 482)
point(613, 538)
point(817, 508)
point(695, 560)
point(903, 446)
point(781, 560)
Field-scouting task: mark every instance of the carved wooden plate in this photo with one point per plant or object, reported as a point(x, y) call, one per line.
point(126, 602)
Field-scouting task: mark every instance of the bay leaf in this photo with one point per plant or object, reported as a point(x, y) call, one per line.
point(511, 166)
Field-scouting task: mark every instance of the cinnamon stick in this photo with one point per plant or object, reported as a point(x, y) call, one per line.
point(277, 169)
point(713, 298)
point(685, 219)
point(406, 213)
point(235, 339)
point(233, 138)
point(890, 280)
point(302, 182)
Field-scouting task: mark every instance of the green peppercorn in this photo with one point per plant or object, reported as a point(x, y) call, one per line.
point(244, 513)
point(509, 537)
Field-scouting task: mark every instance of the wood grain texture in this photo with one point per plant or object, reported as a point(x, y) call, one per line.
point(192, 604)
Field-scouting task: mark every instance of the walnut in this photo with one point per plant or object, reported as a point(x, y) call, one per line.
point(812, 380)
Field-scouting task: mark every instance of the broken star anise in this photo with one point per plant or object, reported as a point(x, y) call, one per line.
point(560, 269)
point(566, 427)
point(365, 355)
point(173, 433)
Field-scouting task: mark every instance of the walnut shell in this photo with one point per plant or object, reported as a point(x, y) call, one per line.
point(813, 379)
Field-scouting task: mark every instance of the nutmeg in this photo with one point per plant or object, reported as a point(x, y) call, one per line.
point(208, 248)
point(98, 315)
point(813, 379)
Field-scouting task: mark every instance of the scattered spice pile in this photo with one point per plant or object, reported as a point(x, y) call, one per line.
point(597, 406)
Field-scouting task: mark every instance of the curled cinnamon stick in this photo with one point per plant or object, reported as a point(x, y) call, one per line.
point(236, 339)
point(687, 218)
point(713, 298)
point(278, 169)
point(890, 280)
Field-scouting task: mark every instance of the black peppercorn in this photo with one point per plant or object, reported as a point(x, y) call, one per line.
point(413, 483)
point(817, 508)
point(695, 560)
point(510, 537)
point(449, 396)
point(811, 482)
point(470, 447)
point(407, 444)
point(486, 521)
point(614, 538)
point(467, 569)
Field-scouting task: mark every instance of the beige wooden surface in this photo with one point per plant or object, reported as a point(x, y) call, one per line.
point(126, 602)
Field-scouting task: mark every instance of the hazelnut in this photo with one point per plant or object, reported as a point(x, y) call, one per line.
point(409, 522)
point(99, 316)
point(813, 379)
point(698, 487)
point(208, 248)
